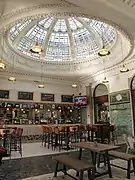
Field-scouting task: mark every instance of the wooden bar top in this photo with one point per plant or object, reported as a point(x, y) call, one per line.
point(61, 125)
point(95, 148)
point(5, 131)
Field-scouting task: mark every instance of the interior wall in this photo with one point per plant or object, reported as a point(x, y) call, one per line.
point(52, 87)
point(120, 113)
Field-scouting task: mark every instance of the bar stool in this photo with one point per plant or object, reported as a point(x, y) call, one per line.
point(113, 131)
point(88, 130)
point(49, 137)
point(60, 137)
point(94, 130)
point(15, 141)
point(82, 132)
point(3, 153)
point(73, 134)
point(44, 135)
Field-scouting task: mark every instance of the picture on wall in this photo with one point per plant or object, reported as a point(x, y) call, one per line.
point(47, 97)
point(120, 97)
point(4, 94)
point(25, 95)
point(67, 98)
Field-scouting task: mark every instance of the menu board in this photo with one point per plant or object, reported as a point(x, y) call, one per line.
point(47, 97)
point(67, 98)
point(25, 95)
point(4, 94)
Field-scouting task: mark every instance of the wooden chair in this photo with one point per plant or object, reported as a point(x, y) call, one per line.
point(15, 141)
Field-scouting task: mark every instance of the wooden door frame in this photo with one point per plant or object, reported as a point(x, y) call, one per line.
point(132, 106)
point(95, 115)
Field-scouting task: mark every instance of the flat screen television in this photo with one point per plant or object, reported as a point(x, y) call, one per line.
point(81, 100)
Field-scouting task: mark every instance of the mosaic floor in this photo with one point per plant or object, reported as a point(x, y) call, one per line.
point(34, 149)
point(37, 164)
point(118, 174)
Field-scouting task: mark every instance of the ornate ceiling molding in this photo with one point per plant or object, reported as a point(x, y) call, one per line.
point(32, 77)
point(33, 8)
point(130, 3)
point(113, 71)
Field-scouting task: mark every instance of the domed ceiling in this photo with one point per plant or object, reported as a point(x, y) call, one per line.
point(62, 39)
point(70, 44)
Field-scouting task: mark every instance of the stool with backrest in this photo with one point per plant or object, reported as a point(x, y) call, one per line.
point(113, 131)
point(60, 137)
point(51, 137)
point(45, 135)
point(3, 153)
point(88, 130)
point(16, 141)
point(129, 143)
point(73, 134)
point(82, 133)
point(94, 131)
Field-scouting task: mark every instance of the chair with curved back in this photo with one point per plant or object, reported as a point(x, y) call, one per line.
point(129, 143)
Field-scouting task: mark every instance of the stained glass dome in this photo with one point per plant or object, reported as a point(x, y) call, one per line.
point(62, 39)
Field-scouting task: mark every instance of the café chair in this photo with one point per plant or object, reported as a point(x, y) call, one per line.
point(15, 141)
point(82, 133)
point(60, 137)
point(3, 153)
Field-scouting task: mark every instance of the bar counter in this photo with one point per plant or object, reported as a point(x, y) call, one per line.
point(28, 129)
point(36, 129)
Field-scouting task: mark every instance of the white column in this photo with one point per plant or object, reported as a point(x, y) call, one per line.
point(90, 104)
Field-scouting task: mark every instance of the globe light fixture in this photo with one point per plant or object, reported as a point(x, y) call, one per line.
point(124, 69)
point(12, 79)
point(2, 65)
point(104, 52)
point(74, 85)
point(36, 49)
point(41, 86)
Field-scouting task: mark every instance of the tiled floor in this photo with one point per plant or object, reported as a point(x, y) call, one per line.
point(37, 164)
point(118, 174)
point(34, 149)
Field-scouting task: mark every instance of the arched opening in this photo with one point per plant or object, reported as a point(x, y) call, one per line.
point(101, 105)
point(132, 87)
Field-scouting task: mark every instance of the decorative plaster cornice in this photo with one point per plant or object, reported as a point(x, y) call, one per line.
point(113, 71)
point(130, 3)
point(33, 77)
point(32, 8)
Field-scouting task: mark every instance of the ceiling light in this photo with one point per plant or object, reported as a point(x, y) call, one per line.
point(105, 80)
point(74, 85)
point(103, 52)
point(41, 86)
point(12, 79)
point(2, 65)
point(124, 69)
point(36, 49)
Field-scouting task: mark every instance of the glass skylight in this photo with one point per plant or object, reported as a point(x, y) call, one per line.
point(15, 30)
point(62, 39)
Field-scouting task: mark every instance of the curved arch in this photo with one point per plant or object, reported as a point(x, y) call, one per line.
point(101, 106)
point(132, 96)
point(98, 86)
